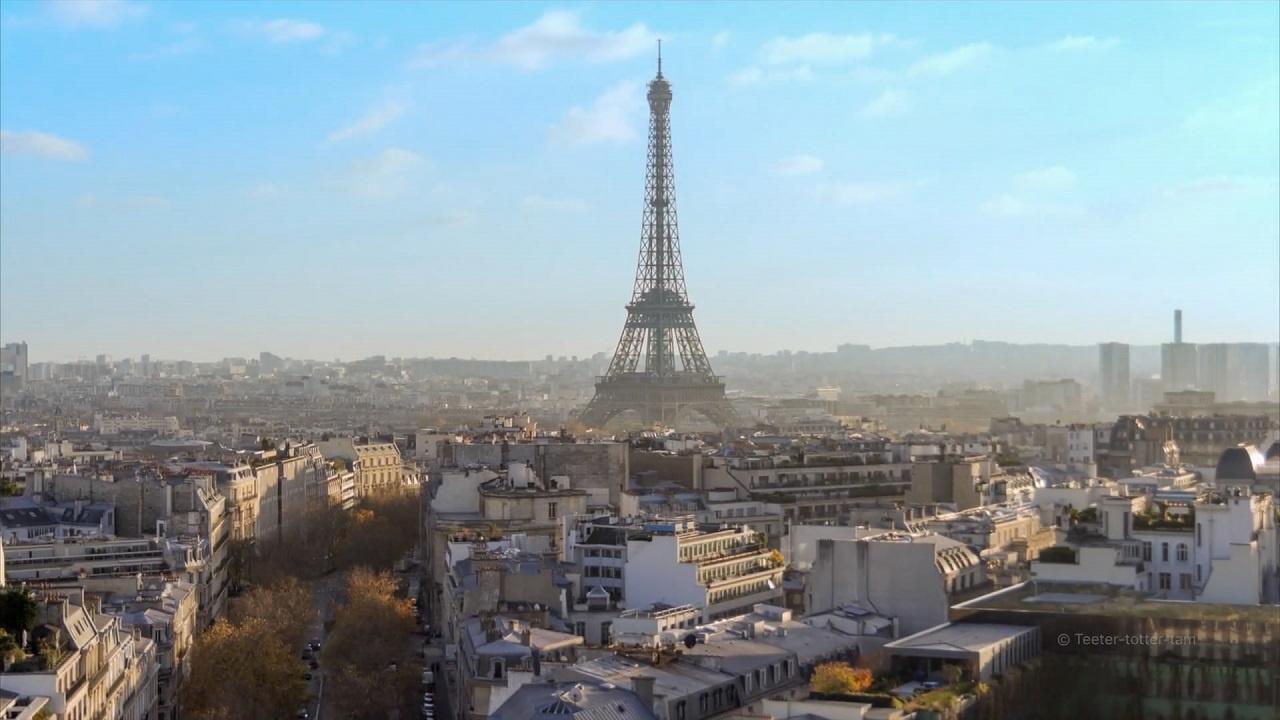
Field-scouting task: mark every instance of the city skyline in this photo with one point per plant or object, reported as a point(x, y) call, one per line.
point(183, 180)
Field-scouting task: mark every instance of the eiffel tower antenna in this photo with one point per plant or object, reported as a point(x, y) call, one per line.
point(660, 369)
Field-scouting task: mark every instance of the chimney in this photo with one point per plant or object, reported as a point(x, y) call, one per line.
point(642, 686)
point(526, 637)
point(1177, 326)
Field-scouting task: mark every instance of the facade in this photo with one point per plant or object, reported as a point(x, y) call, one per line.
point(1215, 546)
point(912, 576)
point(1113, 366)
point(377, 464)
point(88, 665)
point(164, 612)
point(1235, 372)
point(498, 655)
point(723, 572)
point(1179, 366)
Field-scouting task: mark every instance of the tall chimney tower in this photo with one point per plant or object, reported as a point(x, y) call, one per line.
point(1177, 326)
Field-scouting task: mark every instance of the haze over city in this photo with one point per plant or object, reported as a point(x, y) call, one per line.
point(321, 180)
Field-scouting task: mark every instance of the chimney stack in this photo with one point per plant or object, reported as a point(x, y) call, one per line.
point(1177, 326)
point(642, 686)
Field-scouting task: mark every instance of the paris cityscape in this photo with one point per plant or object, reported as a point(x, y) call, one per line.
point(339, 380)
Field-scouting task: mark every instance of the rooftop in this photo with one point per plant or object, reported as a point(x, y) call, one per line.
point(1102, 599)
point(969, 637)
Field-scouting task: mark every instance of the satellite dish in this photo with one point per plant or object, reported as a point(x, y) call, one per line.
point(690, 640)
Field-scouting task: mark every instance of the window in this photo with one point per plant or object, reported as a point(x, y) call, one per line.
point(1166, 581)
point(1182, 552)
point(1198, 535)
point(1184, 581)
point(1146, 551)
point(1164, 552)
point(551, 511)
point(1198, 573)
point(680, 710)
point(702, 703)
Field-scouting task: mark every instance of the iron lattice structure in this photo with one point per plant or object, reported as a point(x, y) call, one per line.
point(660, 368)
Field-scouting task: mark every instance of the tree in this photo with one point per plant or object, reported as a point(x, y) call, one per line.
point(285, 607)
point(243, 671)
point(10, 651)
point(18, 610)
point(367, 653)
point(836, 678)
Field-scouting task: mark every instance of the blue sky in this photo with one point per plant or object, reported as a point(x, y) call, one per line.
point(330, 180)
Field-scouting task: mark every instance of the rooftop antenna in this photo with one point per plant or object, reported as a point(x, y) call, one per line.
point(659, 57)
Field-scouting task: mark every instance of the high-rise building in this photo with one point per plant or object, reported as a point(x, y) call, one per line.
point(1113, 363)
point(13, 360)
point(1179, 367)
point(1235, 372)
point(1253, 361)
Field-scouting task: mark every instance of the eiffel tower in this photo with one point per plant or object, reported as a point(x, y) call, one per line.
point(660, 369)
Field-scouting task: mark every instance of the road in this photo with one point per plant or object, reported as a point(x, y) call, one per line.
point(324, 593)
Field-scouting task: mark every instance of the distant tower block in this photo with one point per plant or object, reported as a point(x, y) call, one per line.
point(660, 369)
point(1177, 326)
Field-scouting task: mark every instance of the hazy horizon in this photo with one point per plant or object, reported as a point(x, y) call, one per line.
point(465, 180)
point(713, 353)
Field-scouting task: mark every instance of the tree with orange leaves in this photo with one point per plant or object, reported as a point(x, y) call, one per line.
point(837, 678)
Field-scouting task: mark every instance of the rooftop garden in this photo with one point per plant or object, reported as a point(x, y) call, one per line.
point(1059, 554)
point(1158, 517)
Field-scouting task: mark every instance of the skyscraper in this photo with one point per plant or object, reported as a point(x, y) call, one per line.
point(1113, 364)
point(1179, 368)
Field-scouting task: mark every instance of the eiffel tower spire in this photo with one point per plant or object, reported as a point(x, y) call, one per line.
point(660, 368)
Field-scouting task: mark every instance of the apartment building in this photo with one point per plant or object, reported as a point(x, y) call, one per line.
point(116, 424)
point(377, 463)
point(913, 576)
point(497, 655)
point(1215, 545)
point(723, 571)
point(85, 662)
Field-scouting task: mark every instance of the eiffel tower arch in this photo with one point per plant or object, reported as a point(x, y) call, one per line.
point(660, 369)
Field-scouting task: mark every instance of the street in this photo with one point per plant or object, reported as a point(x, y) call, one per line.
point(324, 593)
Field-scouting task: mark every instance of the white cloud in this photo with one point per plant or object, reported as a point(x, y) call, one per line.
point(147, 202)
point(449, 220)
point(863, 193)
point(720, 40)
point(607, 120)
point(42, 145)
point(267, 190)
point(545, 204)
point(102, 14)
point(1222, 185)
point(754, 75)
point(822, 48)
point(89, 201)
point(557, 34)
point(283, 30)
point(887, 103)
point(370, 123)
point(797, 165)
point(1083, 42)
point(951, 61)
point(382, 175)
point(1255, 111)
point(1052, 178)
point(185, 46)
point(1004, 205)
